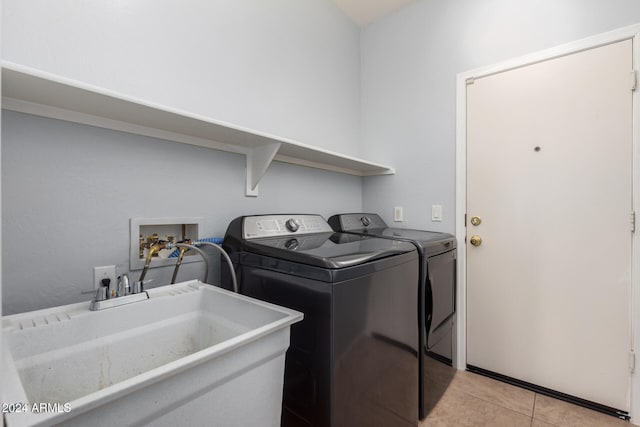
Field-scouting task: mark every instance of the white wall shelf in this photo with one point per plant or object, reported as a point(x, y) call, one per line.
point(33, 91)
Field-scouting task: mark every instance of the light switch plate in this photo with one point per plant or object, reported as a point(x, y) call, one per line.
point(436, 213)
point(398, 214)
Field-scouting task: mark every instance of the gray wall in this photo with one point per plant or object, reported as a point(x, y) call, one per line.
point(298, 69)
point(409, 65)
point(68, 191)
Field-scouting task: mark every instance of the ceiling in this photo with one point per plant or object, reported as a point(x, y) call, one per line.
point(363, 12)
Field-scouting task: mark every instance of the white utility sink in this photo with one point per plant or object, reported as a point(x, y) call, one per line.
point(192, 354)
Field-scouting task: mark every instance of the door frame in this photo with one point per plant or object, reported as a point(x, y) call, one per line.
point(631, 32)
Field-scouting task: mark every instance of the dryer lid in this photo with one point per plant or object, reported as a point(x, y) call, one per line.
point(424, 238)
point(372, 225)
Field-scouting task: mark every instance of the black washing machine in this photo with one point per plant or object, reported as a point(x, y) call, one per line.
point(437, 286)
point(353, 359)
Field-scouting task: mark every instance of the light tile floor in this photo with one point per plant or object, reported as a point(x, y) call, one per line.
point(475, 401)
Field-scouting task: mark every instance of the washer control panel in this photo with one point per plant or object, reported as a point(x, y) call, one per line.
point(283, 225)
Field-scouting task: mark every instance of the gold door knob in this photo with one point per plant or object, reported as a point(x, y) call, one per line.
point(476, 240)
point(475, 220)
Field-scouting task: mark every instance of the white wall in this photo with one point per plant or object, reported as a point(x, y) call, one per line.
point(409, 65)
point(286, 67)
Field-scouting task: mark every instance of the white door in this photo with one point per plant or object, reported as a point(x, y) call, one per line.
point(549, 174)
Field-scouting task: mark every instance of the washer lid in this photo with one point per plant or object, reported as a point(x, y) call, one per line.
point(328, 250)
point(421, 237)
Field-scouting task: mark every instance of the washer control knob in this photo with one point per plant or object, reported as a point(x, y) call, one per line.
point(292, 244)
point(365, 220)
point(292, 225)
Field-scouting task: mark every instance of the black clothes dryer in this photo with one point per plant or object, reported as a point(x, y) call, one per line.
point(437, 285)
point(353, 359)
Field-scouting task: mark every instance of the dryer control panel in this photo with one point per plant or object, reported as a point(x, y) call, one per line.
point(356, 222)
point(254, 227)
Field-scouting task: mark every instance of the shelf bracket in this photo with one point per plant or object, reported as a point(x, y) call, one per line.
point(258, 161)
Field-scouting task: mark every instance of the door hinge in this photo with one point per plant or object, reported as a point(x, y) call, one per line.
point(470, 80)
point(634, 80)
point(633, 222)
point(632, 361)
point(465, 220)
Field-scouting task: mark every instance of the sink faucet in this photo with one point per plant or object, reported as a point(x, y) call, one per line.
point(124, 287)
point(112, 295)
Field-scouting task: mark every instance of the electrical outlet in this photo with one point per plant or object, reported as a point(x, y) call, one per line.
point(101, 273)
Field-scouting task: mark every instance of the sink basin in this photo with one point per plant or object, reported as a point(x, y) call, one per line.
point(184, 352)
